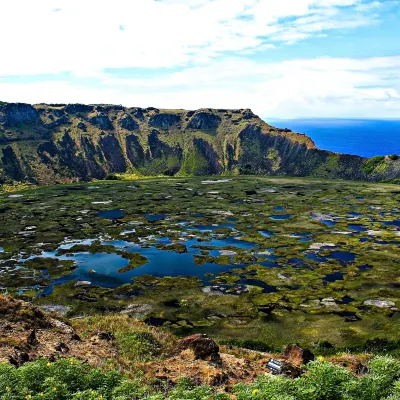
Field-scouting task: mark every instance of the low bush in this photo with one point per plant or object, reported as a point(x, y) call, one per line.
point(72, 379)
point(65, 379)
point(395, 181)
point(325, 381)
point(138, 345)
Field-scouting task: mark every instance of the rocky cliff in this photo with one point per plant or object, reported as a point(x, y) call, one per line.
point(50, 143)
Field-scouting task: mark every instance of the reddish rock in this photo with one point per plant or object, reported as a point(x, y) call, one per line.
point(298, 356)
point(202, 346)
point(291, 371)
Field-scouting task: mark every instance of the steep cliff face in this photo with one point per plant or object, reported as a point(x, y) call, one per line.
point(47, 144)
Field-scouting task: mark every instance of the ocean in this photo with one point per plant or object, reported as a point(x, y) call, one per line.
point(366, 138)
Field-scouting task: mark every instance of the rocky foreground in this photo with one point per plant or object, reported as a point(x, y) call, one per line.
point(46, 144)
point(27, 333)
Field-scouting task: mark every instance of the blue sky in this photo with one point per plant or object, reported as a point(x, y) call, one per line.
point(281, 58)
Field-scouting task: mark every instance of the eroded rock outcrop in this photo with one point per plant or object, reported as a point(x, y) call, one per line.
point(204, 120)
point(164, 120)
point(128, 123)
point(14, 114)
point(102, 121)
point(46, 144)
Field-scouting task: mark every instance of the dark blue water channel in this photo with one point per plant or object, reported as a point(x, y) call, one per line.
point(111, 214)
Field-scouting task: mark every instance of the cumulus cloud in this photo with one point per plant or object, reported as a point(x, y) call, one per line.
point(193, 53)
point(84, 37)
point(322, 87)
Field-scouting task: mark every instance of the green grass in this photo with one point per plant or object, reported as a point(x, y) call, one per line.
point(71, 379)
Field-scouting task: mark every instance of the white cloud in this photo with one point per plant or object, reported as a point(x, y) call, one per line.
point(323, 87)
point(84, 37)
point(209, 43)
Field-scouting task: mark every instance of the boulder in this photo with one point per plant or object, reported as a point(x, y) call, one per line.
point(204, 120)
point(202, 346)
point(298, 356)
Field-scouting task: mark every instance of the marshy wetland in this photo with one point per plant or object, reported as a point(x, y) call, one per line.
point(274, 259)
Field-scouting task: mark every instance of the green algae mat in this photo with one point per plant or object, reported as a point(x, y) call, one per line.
point(272, 259)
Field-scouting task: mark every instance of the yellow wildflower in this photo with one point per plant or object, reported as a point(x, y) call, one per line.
point(28, 396)
point(320, 358)
point(8, 389)
point(255, 391)
point(54, 389)
point(48, 364)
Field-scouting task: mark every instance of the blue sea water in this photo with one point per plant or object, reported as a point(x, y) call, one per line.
point(366, 138)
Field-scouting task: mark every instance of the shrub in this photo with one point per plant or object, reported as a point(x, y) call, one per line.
point(186, 390)
point(394, 157)
point(267, 387)
point(63, 379)
point(138, 345)
point(322, 382)
point(325, 381)
point(68, 379)
point(395, 181)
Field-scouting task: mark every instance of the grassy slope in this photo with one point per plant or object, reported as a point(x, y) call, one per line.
point(117, 357)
